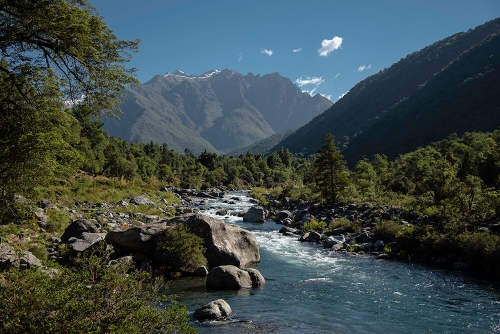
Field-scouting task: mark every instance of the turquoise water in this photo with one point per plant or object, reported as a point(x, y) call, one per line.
point(312, 290)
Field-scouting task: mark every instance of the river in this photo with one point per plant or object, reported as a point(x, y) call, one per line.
point(312, 290)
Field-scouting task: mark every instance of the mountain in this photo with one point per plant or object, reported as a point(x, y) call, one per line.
point(450, 86)
point(218, 111)
point(263, 146)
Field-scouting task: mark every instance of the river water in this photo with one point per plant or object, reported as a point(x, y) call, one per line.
point(312, 290)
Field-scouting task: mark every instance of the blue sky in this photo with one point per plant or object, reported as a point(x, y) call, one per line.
point(323, 46)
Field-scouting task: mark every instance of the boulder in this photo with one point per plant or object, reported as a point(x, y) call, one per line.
point(136, 239)
point(384, 256)
point(299, 216)
point(226, 244)
point(221, 212)
point(7, 257)
point(379, 244)
point(88, 242)
point(256, 277)
point(332, 241)
point(283, 215)
point(255, 214)
point(228, 277)
point(310, 236)
point(286, 229)
point(28, 260)
point(78, 227)
point(141, 200)
point(215, 310)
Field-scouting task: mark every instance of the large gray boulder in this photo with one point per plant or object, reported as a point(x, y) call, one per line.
point(87, 243)
point(283, 215)
point(215, 310)
point(226, 244)
point(301, 215)
point(28, 260)
point(78, 227)
point(255, 214)
point(136, 239)
point(256, 277)
point(141, 200)
point(228, 277)
point(24, 260)
point(8, 257)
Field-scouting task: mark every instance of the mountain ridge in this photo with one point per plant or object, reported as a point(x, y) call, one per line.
point(217, 111)
point(375, 100)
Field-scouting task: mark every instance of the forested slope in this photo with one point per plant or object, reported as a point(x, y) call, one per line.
point(384, 113)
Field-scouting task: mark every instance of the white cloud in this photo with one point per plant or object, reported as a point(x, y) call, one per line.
point(329, 97)
point(266, 52)
point(341, 96)
point(329, 45)
point(336, 76)
point(364, 67)
point(310, 92)
point(240, 57)
point(309, 81)
point(297, 50)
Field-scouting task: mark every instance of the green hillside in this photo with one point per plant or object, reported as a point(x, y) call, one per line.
point(449, 86)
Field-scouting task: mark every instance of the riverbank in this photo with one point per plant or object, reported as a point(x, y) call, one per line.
point(311, 289)
point(389, 232)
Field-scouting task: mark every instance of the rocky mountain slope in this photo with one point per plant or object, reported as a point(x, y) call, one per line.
point(450, 86)
point(218, 111)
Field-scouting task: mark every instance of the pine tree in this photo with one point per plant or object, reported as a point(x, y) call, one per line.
point(332, 176)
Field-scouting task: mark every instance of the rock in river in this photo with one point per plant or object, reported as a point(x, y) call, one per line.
point(226, 244)
point(215, 310)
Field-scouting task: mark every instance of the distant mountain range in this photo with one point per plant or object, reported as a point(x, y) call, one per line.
point(450, 86)
point(217, 111)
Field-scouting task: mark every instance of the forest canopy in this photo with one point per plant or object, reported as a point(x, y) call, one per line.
point(56, 57)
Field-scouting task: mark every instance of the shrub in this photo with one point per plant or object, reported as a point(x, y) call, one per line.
point(313, 225)
point(57, 220)
point(178, 249)
point(387, 230)
point(119, 301)
point(346, 224)
point(39, 250)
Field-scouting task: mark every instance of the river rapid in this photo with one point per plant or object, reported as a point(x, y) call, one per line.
point(313, 290)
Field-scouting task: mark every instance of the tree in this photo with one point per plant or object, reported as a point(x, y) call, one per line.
point(54, 54)
point(332, 176)
point(66, 41)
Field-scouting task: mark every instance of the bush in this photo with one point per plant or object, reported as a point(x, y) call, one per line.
point(313, 225)
point(119, 301)
point(387, 230)
point(179, 250)
point(346, 224)
point(57, 220)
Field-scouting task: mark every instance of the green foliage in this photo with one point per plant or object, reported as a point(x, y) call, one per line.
point(116, 300)
point(57, 220)
point(330, 171)
point(346, 224)
point(39, 249)
point(313, 225)
point(52, 53)
point(409, 104)
point(179, 250)
point(387, 230)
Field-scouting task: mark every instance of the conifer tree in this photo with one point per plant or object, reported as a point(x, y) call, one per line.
point(331, 173)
